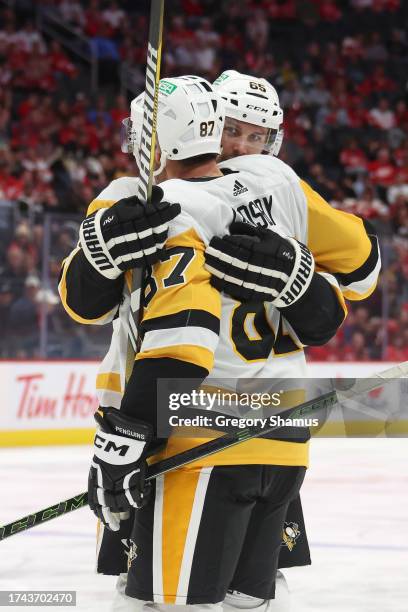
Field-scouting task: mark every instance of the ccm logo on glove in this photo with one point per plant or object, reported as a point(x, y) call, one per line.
point(108, 445)
point(117, 474)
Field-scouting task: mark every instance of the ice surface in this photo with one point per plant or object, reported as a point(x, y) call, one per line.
point(355, 501)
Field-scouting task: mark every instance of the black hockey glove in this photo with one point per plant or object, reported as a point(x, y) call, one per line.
point(117, 475)
point(256, 264)
point(127, 235)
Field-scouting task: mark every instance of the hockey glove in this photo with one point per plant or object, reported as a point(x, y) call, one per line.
point(256, 264)
point(117, 475)
point(129, 234)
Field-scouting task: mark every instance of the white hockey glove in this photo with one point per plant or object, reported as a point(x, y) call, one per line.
point(127, 235)
point(117, 475)
point(255, 264)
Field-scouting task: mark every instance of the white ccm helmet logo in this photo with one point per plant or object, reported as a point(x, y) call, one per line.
point(257, 108)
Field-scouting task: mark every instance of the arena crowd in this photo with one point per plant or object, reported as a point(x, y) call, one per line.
point(339, 68)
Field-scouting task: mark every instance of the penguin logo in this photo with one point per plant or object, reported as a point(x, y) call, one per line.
point(290, 534)
point(130, 551)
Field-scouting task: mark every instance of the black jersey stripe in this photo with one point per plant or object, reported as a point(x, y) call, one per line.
point(184, 318)
point(365, 269)
point(89, 294)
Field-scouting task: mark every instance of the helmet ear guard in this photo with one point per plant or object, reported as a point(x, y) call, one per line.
point(252, 100)
point(128, 136)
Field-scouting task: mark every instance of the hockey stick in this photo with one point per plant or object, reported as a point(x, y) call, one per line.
point(326, 401)
point(147, 149)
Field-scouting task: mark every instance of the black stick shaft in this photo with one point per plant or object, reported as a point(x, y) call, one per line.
point(146, 157)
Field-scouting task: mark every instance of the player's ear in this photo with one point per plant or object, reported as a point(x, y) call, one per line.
point(157, 154)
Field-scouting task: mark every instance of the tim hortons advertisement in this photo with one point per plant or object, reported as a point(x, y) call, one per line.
point(45, 402)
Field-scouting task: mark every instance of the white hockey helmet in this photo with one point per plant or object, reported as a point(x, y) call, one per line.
point(252, 100)
point(190, 120)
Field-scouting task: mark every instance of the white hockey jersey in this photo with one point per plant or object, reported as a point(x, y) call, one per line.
point(186, 318)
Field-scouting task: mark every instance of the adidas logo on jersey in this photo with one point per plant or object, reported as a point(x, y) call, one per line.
point(239, 189)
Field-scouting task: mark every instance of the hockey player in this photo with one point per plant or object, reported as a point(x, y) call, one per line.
point(345, 245)
point(190, 330)
point(253, 126)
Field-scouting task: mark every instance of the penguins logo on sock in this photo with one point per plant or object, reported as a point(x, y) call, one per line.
point(130, 552)
point(290, 534)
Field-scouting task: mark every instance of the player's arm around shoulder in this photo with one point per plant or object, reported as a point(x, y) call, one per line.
point(343, 245)
point(254, 264)
point(119, 233)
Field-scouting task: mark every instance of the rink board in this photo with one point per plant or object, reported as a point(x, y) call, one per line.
point(53, 402)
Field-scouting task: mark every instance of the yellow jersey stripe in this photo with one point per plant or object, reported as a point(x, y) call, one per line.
point(338, 240)
point(97, 204)
point(176, 518)
point(195, 293)
point(109, 381)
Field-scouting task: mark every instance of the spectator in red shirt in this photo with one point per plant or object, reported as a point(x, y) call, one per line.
point(31, 102)
point(329, 11)
point(371, 207)
point(331, 351)
point(396, 350)
point(353, 158)
point(68, 131)
point(378, 82)
point(120, 109)
point(356, 349)
point(11, 187)
point(356, 113)
point(37, 73)
point(382, 171)
point(60, 62)
point(179, 34)
point(94, 21)
point(281, 10)
point(192, 8)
